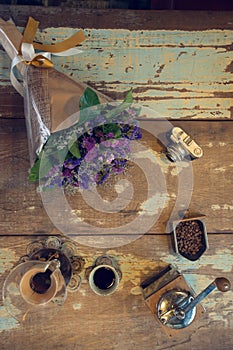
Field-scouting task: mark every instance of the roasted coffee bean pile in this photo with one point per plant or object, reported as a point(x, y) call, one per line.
point(190, 237)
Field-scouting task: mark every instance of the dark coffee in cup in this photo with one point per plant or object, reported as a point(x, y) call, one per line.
point(104, 278)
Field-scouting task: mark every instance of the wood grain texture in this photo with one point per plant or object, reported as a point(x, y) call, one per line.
point(208, 194)
point(122, 320)
point(179, 72)
point(118, 19)
point(11, 103)
point(202, 99)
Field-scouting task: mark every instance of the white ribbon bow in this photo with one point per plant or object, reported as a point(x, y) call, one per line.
point(28, 55)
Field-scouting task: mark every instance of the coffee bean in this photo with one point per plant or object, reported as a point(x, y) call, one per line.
point(190, 237)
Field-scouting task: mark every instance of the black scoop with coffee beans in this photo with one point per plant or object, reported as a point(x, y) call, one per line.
point(190, 237)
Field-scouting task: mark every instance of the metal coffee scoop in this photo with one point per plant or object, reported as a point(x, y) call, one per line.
point(177, 309)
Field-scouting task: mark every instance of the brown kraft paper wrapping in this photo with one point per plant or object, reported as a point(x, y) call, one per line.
point(47, 93)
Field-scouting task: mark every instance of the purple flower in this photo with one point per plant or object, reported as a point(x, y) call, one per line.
point(57, 181)
point(84, 181)
point(118, 165)
point(88, 143)
point(53, 171)
point(136, 133)
point(110, 135)
point(102, 176)
point(67, 176)
point(71, 163)
point(107, 143)
point(91, 154)
point(99, 148)
point(121, 143)
point(67, 172)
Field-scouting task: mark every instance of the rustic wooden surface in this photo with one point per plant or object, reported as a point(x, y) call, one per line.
point(21, 202)
point(122, 321)
point(200, 101)
point(136, 56)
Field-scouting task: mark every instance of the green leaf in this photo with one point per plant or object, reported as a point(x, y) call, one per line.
point(34, 172)
point(45, 166)
point(124, 105)
point(59, 154)
point(41, 168)
point(117, 133)
point(114, 128)
point(88, 99)
point(129, 97)
point(73, 146)
point(74, 150)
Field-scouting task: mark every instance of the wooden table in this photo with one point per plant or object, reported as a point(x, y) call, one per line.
point(180, 64)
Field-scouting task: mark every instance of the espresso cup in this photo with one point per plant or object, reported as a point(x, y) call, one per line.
point(104, 279)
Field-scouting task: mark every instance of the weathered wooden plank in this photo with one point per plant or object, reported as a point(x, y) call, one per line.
point(180, 74)
point(20, 203)
point(11, 103)
point(122, 320)
point(117, 19)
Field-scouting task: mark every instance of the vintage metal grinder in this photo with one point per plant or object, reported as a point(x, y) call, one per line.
point(172, 301)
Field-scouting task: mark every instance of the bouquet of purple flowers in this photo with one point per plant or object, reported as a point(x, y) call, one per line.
point(91, 149)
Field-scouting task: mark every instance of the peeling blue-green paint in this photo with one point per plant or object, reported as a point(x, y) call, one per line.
point(7, 259)
point(178, 73)
point(7, 262)
point(6, 321)
point(221, 260)
point(154, 204)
